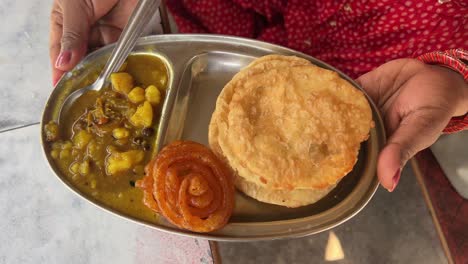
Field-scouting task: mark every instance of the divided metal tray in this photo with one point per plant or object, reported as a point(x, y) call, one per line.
point(199, 67)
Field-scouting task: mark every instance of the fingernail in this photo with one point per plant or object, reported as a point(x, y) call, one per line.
point(395, 180)
point(63, 58)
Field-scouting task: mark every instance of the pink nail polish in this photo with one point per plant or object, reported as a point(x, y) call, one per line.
point(63, 58)
point(395, 180)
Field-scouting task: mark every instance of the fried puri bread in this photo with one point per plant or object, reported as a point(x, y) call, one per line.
point(268, 62)
point(257, 66)
point(292, 199)
point(289, 129)
point(276, 61)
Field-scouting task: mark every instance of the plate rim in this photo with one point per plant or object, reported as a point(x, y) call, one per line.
point(229, 40)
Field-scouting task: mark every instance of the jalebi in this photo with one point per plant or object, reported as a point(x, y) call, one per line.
point(191, 187)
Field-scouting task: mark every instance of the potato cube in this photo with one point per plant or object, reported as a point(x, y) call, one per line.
point(136, 95)
point(55, 153)
point(123, 161)
point(122, 82)
point(153, 95)
point(84, 168)
point(81, 139)
point(120, 133)
point(65, 154)
point(57, 145)
point(143, 117)
point(67, 145)
point(74, 168)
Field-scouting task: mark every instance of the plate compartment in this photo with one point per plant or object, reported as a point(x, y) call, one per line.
point(199, 67)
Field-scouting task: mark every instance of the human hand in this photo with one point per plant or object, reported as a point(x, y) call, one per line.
point(76, 25)
point(416, 101)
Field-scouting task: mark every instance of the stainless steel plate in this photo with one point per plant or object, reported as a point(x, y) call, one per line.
point(199, 67)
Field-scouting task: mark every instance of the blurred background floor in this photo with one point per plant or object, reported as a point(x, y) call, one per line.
point(392, 228)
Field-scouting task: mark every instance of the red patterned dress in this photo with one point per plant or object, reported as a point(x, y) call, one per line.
point(355, 36)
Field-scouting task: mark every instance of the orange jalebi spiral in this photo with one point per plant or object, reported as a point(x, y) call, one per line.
point(146, 184)
point(191, 187)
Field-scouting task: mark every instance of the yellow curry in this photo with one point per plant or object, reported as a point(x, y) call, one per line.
point(110, 135)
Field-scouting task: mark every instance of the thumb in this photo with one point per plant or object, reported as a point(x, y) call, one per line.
point(73, 29)
point(416, 131)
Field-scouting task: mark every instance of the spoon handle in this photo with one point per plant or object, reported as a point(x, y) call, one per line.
point(140, 17)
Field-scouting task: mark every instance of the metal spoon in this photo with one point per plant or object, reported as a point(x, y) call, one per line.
point(140, 17)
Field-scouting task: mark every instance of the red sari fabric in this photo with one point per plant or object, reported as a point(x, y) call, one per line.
point(354, 36)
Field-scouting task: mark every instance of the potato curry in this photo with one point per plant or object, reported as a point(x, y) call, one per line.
point(111, 134)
